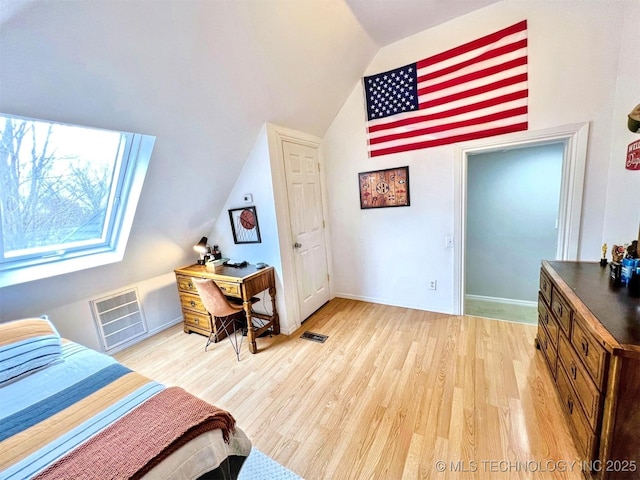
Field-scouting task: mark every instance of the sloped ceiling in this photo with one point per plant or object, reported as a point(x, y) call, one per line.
point(203, 76)
point(388, 21)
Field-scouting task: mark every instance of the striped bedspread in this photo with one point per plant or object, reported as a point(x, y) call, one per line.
point(91, 416)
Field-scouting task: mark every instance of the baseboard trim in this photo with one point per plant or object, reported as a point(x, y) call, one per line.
point(507, 301)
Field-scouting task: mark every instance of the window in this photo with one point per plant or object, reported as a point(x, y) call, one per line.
point(68, 195)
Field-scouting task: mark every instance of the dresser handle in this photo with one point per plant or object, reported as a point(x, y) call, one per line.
point(196, 320)
point(192, 303)
point(190, 285)
point(559, 310)
point(570, 405)
point(585, 347)
point(574, 371)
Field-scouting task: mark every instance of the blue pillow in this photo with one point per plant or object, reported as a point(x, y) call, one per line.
point(26, 346)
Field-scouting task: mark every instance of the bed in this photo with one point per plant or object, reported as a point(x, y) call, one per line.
point(67, 411)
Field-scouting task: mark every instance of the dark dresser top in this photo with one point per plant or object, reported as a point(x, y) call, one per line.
point(615, 308)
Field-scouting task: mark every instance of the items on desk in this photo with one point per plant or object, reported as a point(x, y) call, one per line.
point(236, 263)
point(215, 265)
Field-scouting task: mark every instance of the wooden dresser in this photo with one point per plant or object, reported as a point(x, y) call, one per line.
point(589, 335)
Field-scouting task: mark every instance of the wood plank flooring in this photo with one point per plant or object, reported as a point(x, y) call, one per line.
point(393, 393)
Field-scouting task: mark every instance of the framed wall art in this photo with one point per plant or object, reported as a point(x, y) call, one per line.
point(384, 188)
point(244, 225)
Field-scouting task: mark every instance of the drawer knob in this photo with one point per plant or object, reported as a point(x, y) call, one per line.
point(559, 310)
point(190, 285)
point(570, 405)
point(192, 303)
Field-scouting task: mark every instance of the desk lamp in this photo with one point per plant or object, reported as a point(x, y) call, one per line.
point(203, 249)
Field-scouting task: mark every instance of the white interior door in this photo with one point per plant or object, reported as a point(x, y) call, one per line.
point(307, 226)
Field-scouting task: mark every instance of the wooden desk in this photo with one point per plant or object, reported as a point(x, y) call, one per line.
point(242, 283)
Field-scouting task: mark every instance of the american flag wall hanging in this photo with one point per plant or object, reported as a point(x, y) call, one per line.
point(472, 91)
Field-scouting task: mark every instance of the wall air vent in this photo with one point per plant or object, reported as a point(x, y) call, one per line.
point(119, 318)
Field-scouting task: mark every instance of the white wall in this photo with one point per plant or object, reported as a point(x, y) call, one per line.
point(159, 302)
point(388, 255)
point(255, 179)
point(622, 210)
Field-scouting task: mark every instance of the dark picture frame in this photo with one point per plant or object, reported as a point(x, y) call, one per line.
point(244, 225)
point(384, 188)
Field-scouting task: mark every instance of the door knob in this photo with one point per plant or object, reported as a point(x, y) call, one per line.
point(297, 245)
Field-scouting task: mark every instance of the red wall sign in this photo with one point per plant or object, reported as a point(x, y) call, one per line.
point(633, 156)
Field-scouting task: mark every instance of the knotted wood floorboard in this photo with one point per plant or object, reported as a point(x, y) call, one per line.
point(390, 393)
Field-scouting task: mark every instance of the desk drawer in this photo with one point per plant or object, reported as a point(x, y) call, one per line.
point(197, 320)
point(585, 389)
point(185, 284)
point(192, 302)
point(590, 353)
point(229, 288)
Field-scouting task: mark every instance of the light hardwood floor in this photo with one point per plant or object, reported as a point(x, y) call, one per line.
point(391, 393)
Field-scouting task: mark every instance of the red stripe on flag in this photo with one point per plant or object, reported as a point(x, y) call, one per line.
point(450, 113)
point(453, 139)
point(467, 47)
point(496, 52)
point(450, 126)
point(517, 62)
point(505, 82)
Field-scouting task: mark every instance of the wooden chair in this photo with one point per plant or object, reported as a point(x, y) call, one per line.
point(232, 318)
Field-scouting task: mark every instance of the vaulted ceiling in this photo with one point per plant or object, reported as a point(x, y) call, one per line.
point(203, 76)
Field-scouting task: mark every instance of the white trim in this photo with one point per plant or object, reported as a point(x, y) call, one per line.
point(505, 301)
point(574, 137)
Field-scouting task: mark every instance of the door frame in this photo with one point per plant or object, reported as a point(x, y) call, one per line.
point(276, 136)
point(574, 137)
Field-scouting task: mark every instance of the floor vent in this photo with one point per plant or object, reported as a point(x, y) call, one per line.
point(314, 337)
point(119, 318)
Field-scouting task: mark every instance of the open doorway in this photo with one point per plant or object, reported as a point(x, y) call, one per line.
point(572, 139)
point(513, 199)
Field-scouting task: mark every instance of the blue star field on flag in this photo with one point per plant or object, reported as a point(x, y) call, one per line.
point(392, 92)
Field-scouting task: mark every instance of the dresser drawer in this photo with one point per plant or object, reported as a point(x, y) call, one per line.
point(561, 309)
point(585, 389)
point(196, 320)
point(548, 350)
point(545, 287)
point(229, 288)
point(584, 437)
point(590, 353)
point(192, 302)
point(185, 284)
point(548, 321)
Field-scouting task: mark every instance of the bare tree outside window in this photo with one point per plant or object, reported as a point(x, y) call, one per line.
point(65, 190)
point(53, 193)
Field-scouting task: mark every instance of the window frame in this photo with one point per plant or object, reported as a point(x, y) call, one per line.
point(121, 207)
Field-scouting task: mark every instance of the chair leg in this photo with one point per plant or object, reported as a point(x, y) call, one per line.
point(213, 338)
point(225, 323)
